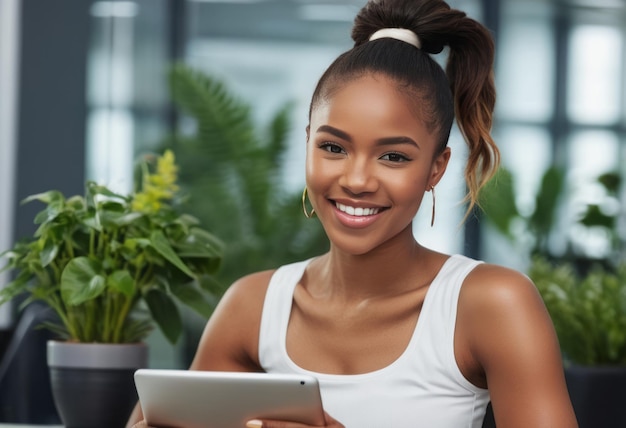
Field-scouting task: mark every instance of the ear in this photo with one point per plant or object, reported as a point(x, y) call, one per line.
point(438, 167)
point(308, 132)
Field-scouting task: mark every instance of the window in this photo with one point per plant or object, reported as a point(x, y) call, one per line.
point(127, 93)
point(561, 102)
point(594, 95)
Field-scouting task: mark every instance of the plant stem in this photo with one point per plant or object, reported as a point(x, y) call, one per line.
point(108, 309)
point(68, 247)
point(89, 309)
point(57, 306)
point(56, 270)
point(121, 318)
point(92, 239)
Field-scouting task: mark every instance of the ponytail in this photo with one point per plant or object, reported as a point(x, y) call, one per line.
point(465, 91)
point(470, 72)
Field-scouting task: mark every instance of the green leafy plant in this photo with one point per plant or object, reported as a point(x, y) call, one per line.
point(588, 311)
point(112, 265)
point(532, 230)
point(501, 210)
point(234, 168)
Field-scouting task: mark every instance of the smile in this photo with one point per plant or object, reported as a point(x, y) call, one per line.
point(356, 211)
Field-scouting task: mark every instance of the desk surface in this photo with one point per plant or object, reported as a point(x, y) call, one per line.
point(6, 425)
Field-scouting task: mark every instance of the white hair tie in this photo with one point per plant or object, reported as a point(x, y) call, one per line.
point(402, 34)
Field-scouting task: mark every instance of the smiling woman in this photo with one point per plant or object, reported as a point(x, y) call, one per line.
point(366, 152)
point(398, 335)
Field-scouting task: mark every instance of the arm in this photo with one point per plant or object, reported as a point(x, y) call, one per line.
point(230, 339)
point(511, 337)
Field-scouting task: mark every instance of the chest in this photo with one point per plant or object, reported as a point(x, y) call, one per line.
point(397, 351)
point(326, 337)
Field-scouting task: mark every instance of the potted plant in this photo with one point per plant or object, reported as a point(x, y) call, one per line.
point(111, 266)
point(589, 314)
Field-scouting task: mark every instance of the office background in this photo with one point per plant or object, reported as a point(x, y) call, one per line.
point(83, 91)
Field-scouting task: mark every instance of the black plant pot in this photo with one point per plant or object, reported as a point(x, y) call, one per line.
point(92, 384)
point(598, 395)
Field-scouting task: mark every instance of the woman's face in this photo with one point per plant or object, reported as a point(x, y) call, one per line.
point(369, 162)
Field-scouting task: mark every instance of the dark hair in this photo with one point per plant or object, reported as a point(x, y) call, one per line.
point(465, 90)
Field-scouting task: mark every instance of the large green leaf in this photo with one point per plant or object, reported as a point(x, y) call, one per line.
point(192, 296)
point(50, 197)
point(81, 281)
point(595, 217)
point(127, 219)
point(165, 313)
point(547, 201)
point(49, 252)
point(497, 199)
point(92, 221)
point(14, 288)
point(121, 281)
point(94, 189)
point(200, 243)
point(611, 182)
point(160, 243)
point(211, 285)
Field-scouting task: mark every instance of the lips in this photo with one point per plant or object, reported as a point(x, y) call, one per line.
point(356, 214)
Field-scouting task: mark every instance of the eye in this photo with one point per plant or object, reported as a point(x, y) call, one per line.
point(394, 157)
point(332, 148)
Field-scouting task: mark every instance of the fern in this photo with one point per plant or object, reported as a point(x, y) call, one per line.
point(231, 169)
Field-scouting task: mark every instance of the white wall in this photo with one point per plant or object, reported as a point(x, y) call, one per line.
point(9, 48)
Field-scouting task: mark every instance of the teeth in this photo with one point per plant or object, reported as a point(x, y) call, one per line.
point(359, 212)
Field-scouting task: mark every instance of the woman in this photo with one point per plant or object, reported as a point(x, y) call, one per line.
point(398, 335)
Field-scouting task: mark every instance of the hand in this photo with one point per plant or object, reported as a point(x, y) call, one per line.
point(142, 424)
point(257, 423)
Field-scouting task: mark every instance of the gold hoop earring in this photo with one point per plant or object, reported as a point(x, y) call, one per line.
point(432, 217)
point(306, 213)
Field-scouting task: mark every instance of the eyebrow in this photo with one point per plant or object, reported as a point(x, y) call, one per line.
point(386, 141)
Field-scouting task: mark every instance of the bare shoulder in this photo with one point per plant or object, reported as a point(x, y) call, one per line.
point(509, 335)
point(231, 336)
point(243, 301)
point(248, 291)
point(503, 314)
point(496, 288)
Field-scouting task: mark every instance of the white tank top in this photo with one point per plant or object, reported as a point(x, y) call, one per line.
point(422, 388)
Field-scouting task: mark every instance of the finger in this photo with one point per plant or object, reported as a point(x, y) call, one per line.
point(257, 423)
point(330, 422)
point(142, 424)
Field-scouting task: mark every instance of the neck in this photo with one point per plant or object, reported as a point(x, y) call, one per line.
point(387, 270)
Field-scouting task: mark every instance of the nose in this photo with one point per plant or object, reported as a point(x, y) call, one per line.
point(358, 176)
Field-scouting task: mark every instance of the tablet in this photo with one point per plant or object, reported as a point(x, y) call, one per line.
point(209, 399)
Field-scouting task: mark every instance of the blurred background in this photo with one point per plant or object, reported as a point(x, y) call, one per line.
point(85, 87)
